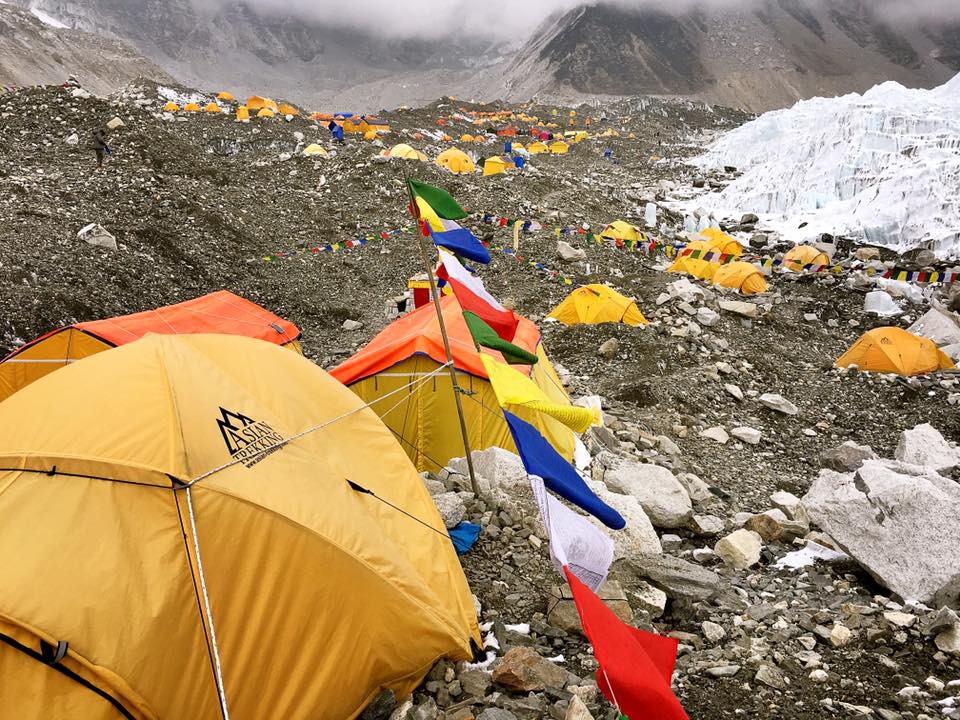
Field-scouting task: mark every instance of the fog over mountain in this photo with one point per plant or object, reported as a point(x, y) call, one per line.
point(752, 54)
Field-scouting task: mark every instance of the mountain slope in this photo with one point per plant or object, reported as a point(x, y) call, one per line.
point(33, 52)
point(308, 61)
point(782, 51)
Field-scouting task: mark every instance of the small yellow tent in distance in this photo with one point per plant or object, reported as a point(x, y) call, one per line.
point(191, 108)
point(456, 161)
point(404, 152)
point(894, 350)
point(802, 255)
point(695, 266)
point(742, 276)
point(718, 241)
point(622, 231)
point(559, 147)
point(535, 148)
point(594, 304)
point(171, 107)
point(212, 108)
point(226, 97)
point(494, 166)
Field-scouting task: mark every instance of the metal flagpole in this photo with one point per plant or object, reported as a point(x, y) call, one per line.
point(435, 294)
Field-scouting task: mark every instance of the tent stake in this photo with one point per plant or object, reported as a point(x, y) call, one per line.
point(435, 294)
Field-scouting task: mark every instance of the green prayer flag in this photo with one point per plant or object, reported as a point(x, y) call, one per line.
point(440, 200)
point(485, 335)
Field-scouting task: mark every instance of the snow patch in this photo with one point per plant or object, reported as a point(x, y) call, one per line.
point(883, 167)
point(47, 19)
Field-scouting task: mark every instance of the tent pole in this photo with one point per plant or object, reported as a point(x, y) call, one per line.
point(435, 294)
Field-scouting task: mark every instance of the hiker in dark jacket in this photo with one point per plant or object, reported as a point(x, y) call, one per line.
point(100, 146)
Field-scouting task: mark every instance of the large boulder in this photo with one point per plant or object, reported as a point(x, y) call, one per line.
point(898, 521)
point(658, 491)
point(679, 579)
point(638, 538)
point(925, 446)
point(568, 253)
point(941, 326)
point(499, 473)
point(740, 549)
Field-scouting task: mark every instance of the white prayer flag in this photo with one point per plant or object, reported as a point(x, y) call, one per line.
point(574, 540)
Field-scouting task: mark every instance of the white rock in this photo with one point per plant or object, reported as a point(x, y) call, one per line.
point(734, 390)
point(696, 488)
point(778, 403)
point(925, 446)
point(898, 521)
point(747, 434)
point(658, 491)
point(115, 124)
point(790, 504)
point(707, 524)
point(840, 635)
point(638, 538)
point(941, 326)
point(712, 632)
point(685, 290)
point(500, 473)
point(880, 303)
point(577, 710)
point(568, 253)
point(451, 508)
point(738, 307)
point(650, 599)
point(740, 549)
point(707, 317)
point(900, 619)
point(73, 139)
point(717, 434)
point(668, 446)
point(351, 325)
point(948, 641)
point(818, 676)
point(94, 234)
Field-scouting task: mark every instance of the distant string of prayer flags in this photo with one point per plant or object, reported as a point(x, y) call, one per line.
point(334, 247)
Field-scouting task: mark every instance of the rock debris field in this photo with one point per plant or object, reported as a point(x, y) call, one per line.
point(794, 526)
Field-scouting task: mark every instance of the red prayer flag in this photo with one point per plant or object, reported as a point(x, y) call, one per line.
point(635, 666)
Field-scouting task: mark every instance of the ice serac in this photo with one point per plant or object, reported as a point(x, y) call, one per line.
point(883, 167)
point(898, 521)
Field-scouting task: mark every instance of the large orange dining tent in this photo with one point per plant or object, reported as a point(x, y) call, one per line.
point(220, 312)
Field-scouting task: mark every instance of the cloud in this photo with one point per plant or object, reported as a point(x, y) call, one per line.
point(517, 19)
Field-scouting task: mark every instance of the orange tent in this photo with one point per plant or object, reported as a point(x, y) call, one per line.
point(220, 312)
point(894, 350)
point(424, 417)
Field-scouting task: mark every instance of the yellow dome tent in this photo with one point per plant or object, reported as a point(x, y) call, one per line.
point(405, 152)
point(171, 107)
point(466, 138)
point(255, 103)
point(226, 97)
point(621, 230)
point(426, 421)
point(696, 267)
point(153, 522)
point(559, 147)
point(243, 113)
point(479, 139)
point(494, 166)
point(535, 148)
point(741, 276)
point(314, 149)
point(456, 161)
point(191, 108)
point(212, 108)
point(718, 241)
point(803, 255)
point(593, 304)
point(266, 113)
point(894, 350)
point(288, 109)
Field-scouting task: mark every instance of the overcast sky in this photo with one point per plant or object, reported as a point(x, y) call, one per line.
point(518, 18)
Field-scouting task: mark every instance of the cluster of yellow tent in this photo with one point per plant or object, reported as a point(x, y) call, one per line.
point(144, 460)
point(743, 277)
point(402, 151)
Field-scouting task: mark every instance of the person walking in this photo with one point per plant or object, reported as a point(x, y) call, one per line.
point(100, 146)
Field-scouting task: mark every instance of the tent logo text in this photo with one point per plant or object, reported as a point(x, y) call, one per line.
point(247, 440)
